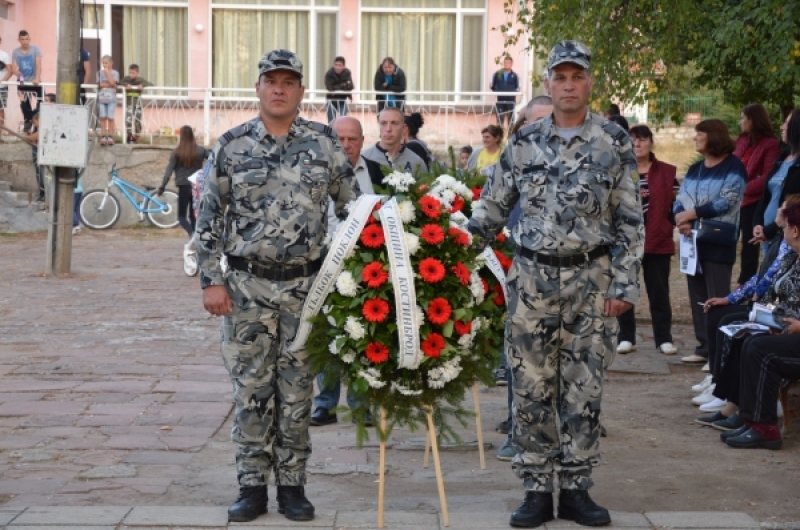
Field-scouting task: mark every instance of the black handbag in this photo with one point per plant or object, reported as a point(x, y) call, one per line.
point(716, 232)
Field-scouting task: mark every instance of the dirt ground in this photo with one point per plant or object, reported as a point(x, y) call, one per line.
point(654, 458)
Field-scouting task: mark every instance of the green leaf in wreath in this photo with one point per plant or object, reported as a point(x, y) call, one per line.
point(447, 329)
point(459, 314)
point(367, 257)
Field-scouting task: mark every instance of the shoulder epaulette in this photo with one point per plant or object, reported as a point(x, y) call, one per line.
point(321, 127)
point(615, 130)
point(236, 132)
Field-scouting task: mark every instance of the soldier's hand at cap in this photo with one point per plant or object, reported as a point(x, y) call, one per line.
point(216, 300)
point(615, 307)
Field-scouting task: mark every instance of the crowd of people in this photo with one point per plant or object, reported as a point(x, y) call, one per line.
point(25, 63)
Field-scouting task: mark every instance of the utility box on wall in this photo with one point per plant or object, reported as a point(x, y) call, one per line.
point(63, 135)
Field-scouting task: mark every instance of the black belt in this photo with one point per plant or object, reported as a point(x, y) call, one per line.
point(277, 274)
point(565, 261)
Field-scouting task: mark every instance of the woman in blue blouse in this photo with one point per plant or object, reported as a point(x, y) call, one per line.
point(712, 189)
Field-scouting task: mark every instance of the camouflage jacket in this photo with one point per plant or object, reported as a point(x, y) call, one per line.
point(574, 196)
point(277, 194)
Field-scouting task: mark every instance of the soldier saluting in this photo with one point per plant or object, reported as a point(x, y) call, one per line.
point(274, 173)
point(574, 175)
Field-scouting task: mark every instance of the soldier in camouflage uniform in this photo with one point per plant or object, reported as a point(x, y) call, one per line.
point(574, 175)
point(274, 174)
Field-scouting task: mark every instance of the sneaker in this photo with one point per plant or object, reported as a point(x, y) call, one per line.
point(706, 368)
point(668, 348)
point(716, 404)
point(500, 376)
point(507, 452)
point(730, 423)
point(709, 419)
point(750, 439)
point(76, 230)
point(110, 140)
point(704, 397)
point(323, 417)
point(626, 346)
point(700, 387)
point(693, 359)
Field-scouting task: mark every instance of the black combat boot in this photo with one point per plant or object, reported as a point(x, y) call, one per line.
point(576, 505)
point(292, 503)
point(535, 510)
point(251, 503)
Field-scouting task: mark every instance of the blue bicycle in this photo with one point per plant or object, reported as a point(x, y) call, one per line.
point(100, 210)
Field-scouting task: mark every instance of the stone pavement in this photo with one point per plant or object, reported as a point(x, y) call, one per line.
point(181, 517)
point(115, 409)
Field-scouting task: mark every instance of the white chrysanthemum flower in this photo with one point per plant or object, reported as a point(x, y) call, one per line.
point(480, 260)
point(477, 325)
point(449, 196)
point(463, 190)
point(405, 390)
point(354, 328)
point(412, 242)
point(331, 321)
point(445, 181)
point(407, 212)
point(458, 219)
point(435, 378)
point(372, 377)
point(346, 285)
point(400, 181)
point(465, 341)
point(476, 287)
point(333, 346)
point(419, 314)
point(349, 357)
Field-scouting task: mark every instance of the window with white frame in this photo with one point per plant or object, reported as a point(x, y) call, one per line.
point(242, 30)
point(150, 33)
point(439, 44)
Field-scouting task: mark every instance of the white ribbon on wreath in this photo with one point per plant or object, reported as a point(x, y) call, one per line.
point(494, 266)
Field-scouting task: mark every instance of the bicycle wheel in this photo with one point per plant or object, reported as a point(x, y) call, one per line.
point(99, 209)
point(168, 218)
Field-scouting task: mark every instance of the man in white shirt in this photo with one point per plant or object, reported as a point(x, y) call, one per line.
point(367, 172)
point(5, 74)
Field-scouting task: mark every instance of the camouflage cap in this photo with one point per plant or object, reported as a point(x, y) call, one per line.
point(569, 51)
point(280, 60)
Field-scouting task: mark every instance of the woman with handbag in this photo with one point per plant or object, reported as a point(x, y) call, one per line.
point(708, 202)
point(781, 183)
point(758, 149)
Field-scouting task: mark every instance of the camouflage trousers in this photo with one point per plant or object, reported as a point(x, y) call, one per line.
point(557, 339)
point(272, 387)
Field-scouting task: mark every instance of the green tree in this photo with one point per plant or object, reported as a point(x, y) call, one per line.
point(643, 48)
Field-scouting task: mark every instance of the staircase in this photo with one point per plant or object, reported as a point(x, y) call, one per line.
point(18, 213)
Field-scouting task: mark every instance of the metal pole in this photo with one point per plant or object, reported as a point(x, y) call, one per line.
point(59, 235)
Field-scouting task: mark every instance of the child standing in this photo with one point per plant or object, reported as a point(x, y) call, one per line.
point(107, 79)
point(134, 86)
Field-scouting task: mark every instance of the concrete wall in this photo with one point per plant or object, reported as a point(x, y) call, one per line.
point(139, 165)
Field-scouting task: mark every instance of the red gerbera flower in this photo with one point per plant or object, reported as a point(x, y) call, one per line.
point(377, 353)
point(375, 310)
point(439, 311)
point(458, 205)
point(462, 328)
point(433, 345)
point(431, 206)
point(499, 298)
point(476, 193)
point(432, 234)
point(462, 272)
point(459, 236)
point(485, 286)
point(431, 270)
point(372, 236)
point(501, 237)
point(374, 275)
point(504, 261)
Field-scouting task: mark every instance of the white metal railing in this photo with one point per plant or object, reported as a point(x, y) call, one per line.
point(451, 118)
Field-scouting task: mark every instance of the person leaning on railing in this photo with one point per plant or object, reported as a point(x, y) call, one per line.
point(134, 86)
